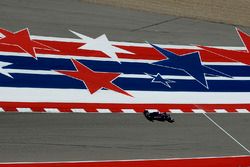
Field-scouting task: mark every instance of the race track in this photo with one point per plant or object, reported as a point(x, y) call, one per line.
point(71, 136)
point(60, 137)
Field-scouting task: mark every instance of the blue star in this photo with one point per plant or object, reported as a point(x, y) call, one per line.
point(190, 63)
point(158, 79)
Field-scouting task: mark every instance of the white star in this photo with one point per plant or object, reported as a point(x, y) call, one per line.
point(101, 43)
point(3, 71)
point(159, 79)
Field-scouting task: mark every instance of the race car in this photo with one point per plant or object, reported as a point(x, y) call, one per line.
point(158, 116)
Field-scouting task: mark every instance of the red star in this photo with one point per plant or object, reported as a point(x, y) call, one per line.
point(22, 40)
point(94, 81)
point(239, 56)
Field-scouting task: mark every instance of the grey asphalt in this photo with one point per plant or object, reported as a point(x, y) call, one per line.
point(77, 137)
point(63, 137)
point(54, 18)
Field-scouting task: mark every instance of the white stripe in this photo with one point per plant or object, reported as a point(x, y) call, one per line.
point(88, 57)
point(45, 72)
point(128, 111)
point(152, 110)
point(224, 63)
point(108, 96)
point(198, 111)
point(51, 110)
point(41, 72)
point(113, 42)
point(78, 110)
point(242, 111)
point(1, 109)
point(24, 110)
point(226, 133)
point(103, 110)
point(133, 44)
point(85, 57)
point(175, 111)
point(126, 160)
point(220, 111)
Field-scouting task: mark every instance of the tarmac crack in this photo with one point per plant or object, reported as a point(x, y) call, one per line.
point(56, 144)
point(155, 24)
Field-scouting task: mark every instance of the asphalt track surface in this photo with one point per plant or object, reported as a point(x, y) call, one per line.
point(77, 137)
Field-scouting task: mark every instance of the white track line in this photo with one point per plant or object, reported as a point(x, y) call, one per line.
point(24, 110)
point(78, 110)
point(143, 76)
point(46, 38)
point(128, 111)
point(152, 110)
point(220, 111)
point(242, 111)
point(226, 132)
point(177, 111)
point(104, 111)
point(198, 111)
point(1, 109)
point(125, 160)
point(51, 110)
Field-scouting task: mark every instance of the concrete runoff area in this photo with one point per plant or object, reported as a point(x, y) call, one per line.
point(229, 11)
point(62, 137)
point(55, 18)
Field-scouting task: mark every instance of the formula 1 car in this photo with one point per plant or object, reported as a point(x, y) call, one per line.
point(158, 116)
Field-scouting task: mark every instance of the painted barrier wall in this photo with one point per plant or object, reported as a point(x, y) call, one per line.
point(232, 161)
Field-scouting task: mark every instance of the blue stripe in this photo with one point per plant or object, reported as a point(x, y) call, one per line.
point(125, 67)
point(59, 81)
point(143, 84)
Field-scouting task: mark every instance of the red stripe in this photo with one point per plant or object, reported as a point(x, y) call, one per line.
point(92, 107)
point(201, 162)
point(144, 53)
